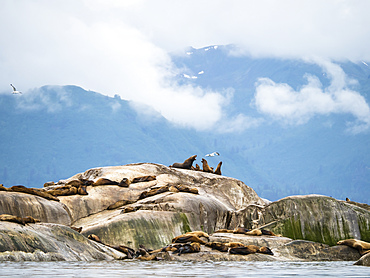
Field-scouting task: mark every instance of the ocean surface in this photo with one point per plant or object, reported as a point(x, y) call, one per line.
point(151, 269)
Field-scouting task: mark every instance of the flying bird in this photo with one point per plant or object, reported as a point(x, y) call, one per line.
point(213, 154)
point(15, 90)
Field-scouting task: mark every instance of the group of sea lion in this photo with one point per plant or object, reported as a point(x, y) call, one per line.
point(188, 164)
point(194, 240)
point(254, 232)
point(175, 188)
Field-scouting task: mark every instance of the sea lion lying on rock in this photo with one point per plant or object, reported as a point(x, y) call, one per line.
point(187, 238)
point(77, 229)
point(130, 209)
point(124, 249)
point(193, 247)
point(183, 188)
point(186, 164)
point(33, 191)
point(94, 238)
point(223, 246)
point(80, 182)
point(18, 219)
point(153, 191)
point(250, 249)
point(220, 246)
point(363, 247)
point(120, 203)
point(144, 179)
point(198, 234)
point(104, 181)
point(224, 231)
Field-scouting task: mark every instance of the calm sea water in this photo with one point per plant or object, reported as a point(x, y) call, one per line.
point(182, 269)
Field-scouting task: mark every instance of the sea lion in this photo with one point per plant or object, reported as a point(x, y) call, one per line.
point(63, 191)
point(104, 181)
point(186, 164)
point(363, 247)
point(218, 168)
point(124, 182)
point(77, 229)
point(33, 191)
point(144, 179)
point(193, 247)
point(94, 238)
point(196, 168)
point(240, 230)
point(80, 182)
point(224, 231)
point(173, 189)
point(198, 234)
point(130, 209)
point(124, 249)
point(255, 232)
point(187, 238)
point(30, 219)
point(268, 233)
point(153, 191)
point(184, 188)
point(49, 183)
point(217, 246)
point(250, 249)
point(18, 219)
point(120, 203)
point(2, 188)
point(234, 244)
point(82, 190)
point(206, 167)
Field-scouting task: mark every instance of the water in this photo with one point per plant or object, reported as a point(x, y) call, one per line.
point(152, 269)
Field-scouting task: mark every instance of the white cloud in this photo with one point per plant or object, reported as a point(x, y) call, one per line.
point(121, 47)
point(282, 102)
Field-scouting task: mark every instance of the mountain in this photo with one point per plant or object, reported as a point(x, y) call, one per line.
point(53, 132)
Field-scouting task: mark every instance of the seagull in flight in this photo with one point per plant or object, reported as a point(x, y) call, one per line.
point(213, 154)
point(15, 90)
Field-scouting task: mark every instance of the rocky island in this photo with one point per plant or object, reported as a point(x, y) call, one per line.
point(148, 211)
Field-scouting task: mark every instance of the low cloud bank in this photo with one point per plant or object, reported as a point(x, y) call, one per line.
point(283, 103)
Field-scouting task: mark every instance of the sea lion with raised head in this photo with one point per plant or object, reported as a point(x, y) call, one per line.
point(186, 164)
point(218, 168)
point(363, 247)
point(206, 167)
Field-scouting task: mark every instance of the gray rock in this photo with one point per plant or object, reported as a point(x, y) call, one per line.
point(49, 242)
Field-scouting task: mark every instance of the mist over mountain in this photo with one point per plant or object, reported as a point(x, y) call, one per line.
point(53, 132)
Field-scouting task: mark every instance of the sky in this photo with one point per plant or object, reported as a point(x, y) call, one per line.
point(124, 47)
